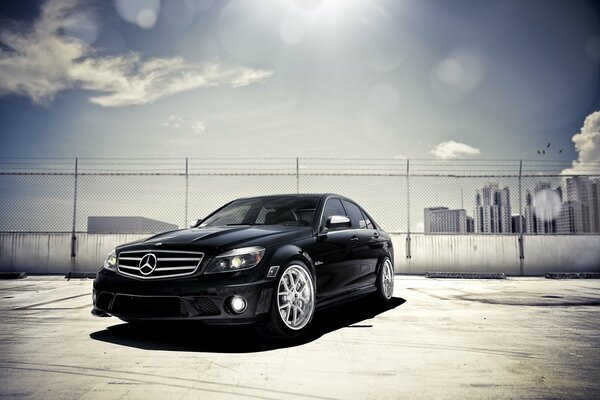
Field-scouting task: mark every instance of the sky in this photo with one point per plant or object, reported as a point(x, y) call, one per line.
point(440, 79)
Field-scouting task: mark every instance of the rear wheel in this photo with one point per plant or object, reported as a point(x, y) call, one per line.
point(293, 304)
point(385, 280)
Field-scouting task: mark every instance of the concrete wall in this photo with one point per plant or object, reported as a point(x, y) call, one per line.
point(497, 253)
point(556, 252)
point(50, 253)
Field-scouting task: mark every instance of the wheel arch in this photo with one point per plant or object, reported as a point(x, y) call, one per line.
point(284, 254)
point(385, 253)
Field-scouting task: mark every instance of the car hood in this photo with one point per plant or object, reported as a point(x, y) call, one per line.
point(230, 237)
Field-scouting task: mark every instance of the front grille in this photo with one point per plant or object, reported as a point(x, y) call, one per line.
point(150, 307)
point(158, 263)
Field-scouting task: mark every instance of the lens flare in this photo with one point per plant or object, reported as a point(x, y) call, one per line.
point(143, 13)
point(547, 204)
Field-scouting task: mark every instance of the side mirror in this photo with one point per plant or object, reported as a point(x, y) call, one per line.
point(195, 222)
point(336, 222)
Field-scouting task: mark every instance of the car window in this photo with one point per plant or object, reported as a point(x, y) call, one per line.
point(228, 216)
point(356, 216)
point(368, 223)
point(293, 211)
point(332, 207)
point(262, 215)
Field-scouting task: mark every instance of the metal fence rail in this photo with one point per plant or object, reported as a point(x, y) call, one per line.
point(131, 195)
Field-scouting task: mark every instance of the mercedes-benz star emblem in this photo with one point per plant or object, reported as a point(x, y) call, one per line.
point(148, 264)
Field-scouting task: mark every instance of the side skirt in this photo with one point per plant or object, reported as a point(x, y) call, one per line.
point(344, 297)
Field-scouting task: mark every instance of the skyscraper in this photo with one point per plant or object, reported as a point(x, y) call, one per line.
point(579, 190)
point(470, 225)
point(492, 210)
point(571, 218)
point(594, 204)
point(517, 223)
point(529, 225)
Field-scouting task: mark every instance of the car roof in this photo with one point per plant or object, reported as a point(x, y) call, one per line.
point(304, 195)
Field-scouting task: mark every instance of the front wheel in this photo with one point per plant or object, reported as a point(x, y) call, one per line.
point(293, 305)
point(385, 280)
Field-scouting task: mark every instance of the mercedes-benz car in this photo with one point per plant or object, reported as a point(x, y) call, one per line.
point(269, 261)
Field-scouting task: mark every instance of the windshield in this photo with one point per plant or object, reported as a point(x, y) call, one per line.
point(291, 211)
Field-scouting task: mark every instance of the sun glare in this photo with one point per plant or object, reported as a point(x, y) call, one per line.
point(331, 9)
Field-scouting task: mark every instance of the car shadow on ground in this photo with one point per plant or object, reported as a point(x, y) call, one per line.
point(198, 337)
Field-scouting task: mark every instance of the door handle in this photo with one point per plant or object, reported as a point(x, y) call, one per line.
point(354, 239)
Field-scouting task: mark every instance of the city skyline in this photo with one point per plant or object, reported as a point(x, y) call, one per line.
point(545, 211)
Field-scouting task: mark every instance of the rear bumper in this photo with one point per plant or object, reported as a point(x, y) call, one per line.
point(182, 299)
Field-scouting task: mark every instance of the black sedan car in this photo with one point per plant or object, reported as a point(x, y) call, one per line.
point(269, 261)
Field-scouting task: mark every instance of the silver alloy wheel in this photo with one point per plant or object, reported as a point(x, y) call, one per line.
point(387, 279)
point(295, 297)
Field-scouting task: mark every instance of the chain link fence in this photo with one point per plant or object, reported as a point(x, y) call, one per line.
point(128, 195)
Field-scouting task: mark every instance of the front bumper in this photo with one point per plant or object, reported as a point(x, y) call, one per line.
point(180, 299)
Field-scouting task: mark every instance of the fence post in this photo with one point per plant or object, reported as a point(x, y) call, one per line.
point(73, 237)
point(187, 185)
point(521, 218)
point(297, 175)
point(408, 255)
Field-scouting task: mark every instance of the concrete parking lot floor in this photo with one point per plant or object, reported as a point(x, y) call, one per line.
point(515, 338)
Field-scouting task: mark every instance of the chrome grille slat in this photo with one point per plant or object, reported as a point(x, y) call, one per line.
point(175, 268)
point(143, 252)
point(128, 267)
point(168, 263)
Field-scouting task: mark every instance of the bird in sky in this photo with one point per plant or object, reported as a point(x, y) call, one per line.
point(543, 150)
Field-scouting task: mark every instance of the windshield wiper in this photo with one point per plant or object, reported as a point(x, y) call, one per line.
point(247, 223)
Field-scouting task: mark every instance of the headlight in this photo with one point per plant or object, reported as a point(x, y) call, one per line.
point(236, 260)
point(111, 261)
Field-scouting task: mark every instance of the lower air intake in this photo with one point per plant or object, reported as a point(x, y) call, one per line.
point(148, 307)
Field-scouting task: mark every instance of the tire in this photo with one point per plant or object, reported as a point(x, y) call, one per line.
point(293, 303)
point(385, 280)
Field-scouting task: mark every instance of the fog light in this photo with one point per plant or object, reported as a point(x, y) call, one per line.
point(238, 304)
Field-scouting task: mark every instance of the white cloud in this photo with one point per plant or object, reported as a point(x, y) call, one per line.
point(451, 150)
point(587, 144)
point(174, 121)
point(40, 61)
point(198, 127)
